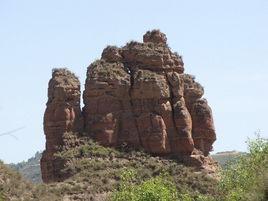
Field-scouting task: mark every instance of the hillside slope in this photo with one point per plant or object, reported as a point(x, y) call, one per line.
point(30, 169)
point(96, 173)
point(223, 158)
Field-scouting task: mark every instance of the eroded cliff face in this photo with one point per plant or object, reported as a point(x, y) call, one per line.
point(203, 130)
point(137, 96)
point(63, 114)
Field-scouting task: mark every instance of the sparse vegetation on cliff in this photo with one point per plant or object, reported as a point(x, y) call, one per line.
point(102, 167)
point(246, 179)
point(102, 173)
point(11, 184)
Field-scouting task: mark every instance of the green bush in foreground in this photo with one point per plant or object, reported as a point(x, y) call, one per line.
point(156, 189)
point(244, 180)
point(1, 197)
point(247, 179)
point(160, 188)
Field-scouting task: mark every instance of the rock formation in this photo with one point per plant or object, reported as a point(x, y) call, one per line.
point(138, 96)
point(63, 114)
point(203, 131)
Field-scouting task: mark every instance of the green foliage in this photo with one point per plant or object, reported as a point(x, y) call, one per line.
point(1, 196)
point(245, 180)
point(101, 167)
point(106, 70)
point(11, 184)
point(88, 149)
point(155, 189)
point(98, 170)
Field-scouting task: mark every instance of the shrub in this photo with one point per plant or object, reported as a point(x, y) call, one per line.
point(1, 197)
point(159, 188)
point(245, 180)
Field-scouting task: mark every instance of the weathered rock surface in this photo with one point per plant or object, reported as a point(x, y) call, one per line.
point(203, 132)
point(138, 96)
point(63, 114)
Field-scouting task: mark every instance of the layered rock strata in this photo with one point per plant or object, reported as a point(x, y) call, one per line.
point(136, 96)
point(63, 114)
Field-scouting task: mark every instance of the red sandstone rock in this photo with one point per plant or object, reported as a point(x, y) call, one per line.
point(137, 96)
point(144, 82)
point(62, 115)
point(203, 127)
point(111, 54)
point(155, 36)
point(202, 121)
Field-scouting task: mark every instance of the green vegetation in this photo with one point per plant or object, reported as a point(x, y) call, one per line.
point(1, 197)
point(11, 185)
point(129, 175)
point(243, 180)
point(247, 179)
point(107, 70)
point(30, 169)
point(159, 188)
point(101, 168)
point(227, 157)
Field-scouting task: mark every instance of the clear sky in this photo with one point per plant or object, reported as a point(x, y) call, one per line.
point(224, 44)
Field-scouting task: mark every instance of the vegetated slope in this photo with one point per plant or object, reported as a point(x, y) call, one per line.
point(30, 169)
point(10, 183)
point(96, 173)
point(223, 158)
point(14, 187)
point(97, 170)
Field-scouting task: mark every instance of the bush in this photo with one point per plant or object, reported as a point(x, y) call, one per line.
point(1, 197)
point(155, 189)
point(245, 179)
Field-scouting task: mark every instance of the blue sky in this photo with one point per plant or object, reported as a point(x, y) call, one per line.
point(223, 43)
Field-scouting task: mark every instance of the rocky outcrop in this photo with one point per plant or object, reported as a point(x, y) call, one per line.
point(136, 96)
point(63, 114)
point(203, 132)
